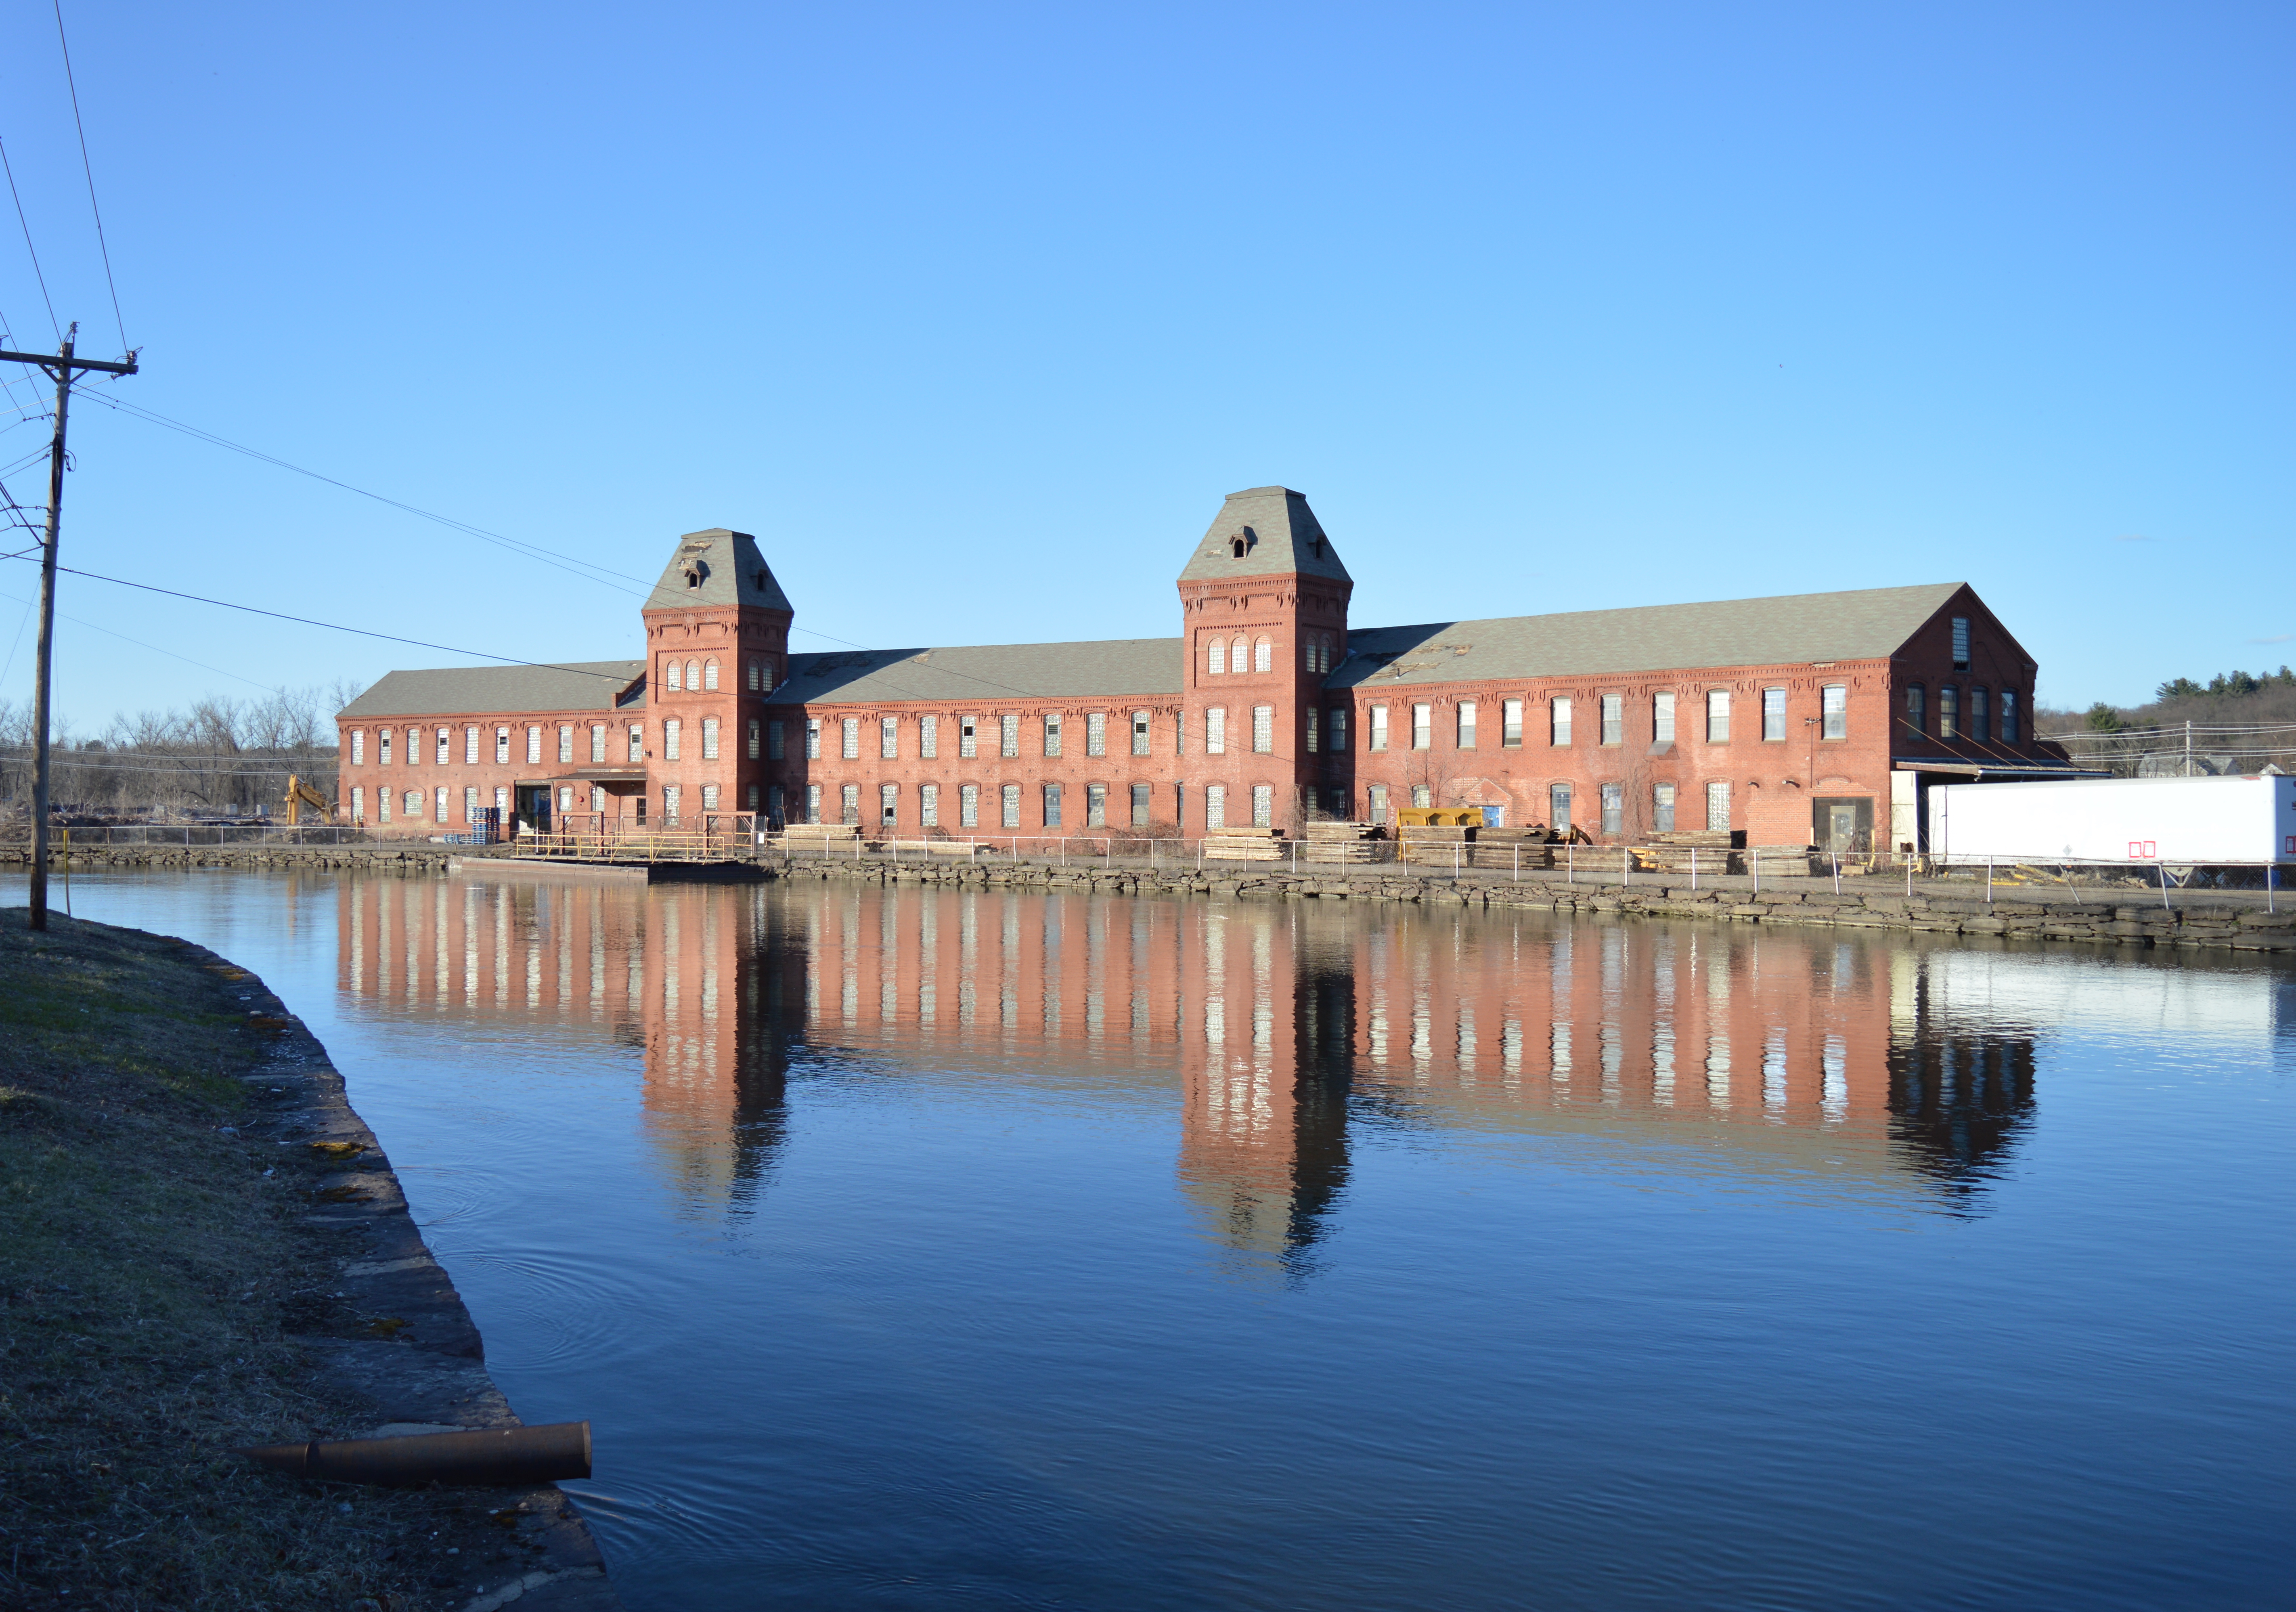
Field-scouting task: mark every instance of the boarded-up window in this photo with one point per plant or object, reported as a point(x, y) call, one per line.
point(849, 729)
point(709, 738)
point(753, 740)
point(565, 742)
point(534, 744)
point(1216, 657)
point(438, 806)
point(670, 734)
point(1096, 733)
point(1717, 807)
point(598, 742)
point(1096, 805)
point(637, 743)
point(673, 674)
point(502, 744)
point(1051, 735)
point(709, 790)
point(813, 803)
point(1139, 733)
point(1263, 655)
point(1263, 729)
point(1263, 805)
point(968, 736)
point(709, 682)
point(1314, 730)
point(358, 746)
point(848, 804)
point(1140, 806)
point(469, 746)
point(889, 738)
point(1214, 806)
point(1012, 804)
point(1008, 736)
point(968, 806)
point(929, 805)
point(889, 804)
point(928, 736)
point(1216, 730)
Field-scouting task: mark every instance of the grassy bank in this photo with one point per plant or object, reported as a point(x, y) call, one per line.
point(156, 1269)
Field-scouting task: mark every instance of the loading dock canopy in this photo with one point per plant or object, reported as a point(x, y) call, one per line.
point(2032, 772)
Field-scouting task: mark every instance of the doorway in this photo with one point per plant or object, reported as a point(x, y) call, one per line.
point(1842, 824)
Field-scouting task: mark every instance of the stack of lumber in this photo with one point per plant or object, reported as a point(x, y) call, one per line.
point(1341, 843)
point(1670, 852)
point(1511, 847)
point(1440, 845)
point(804, 834)
point(1245, 845)
point(951, 848)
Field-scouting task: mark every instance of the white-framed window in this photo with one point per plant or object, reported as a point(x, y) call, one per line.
point(1661, 719)
point(672, 800)
point(1011, 805)
point(1466, 724)
point(1008, 734)
point(672, 673)
point(1096, 733)
point(1833, 712)
point(438, 813)
point(1423, 726)
point(1717, 806)
point(1558, 808)
point(672, 732)
point(776, 740)
point(1052, 806)
point(1377, 734)
point(1510, 724)
point(929, 737)
point(1378, 803)
point(813, 803)
point(1717, 715)
point(1139, 733)
point(1263, 805)
point(502, 745)
point(1614, 808)
point(565, 798)
point(813, 738)
point(709, 738)
point(849, 747)
point(848, 804)
point(358, 746)
point(968, 736)
point(1096, 805)
point(1558, 720)
point(755, 735)
point(1216, 657)
point(534, 743)
point(637, 742)
point(471, 745)
point(1216, 730)
point(565, 741)
point(358, 804)
point(1214, 806)
point(968, 805)
point(1773, 714)
point(1339, 729)
point(929, 805)
point(889, 804)
point(597, 743)
point(709, 682)
point(382, 741)
point(1263, 654)
point(1614, 719)
point(1053, 736)
point(1314, 730)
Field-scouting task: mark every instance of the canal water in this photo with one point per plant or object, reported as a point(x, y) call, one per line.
point(918, 1249)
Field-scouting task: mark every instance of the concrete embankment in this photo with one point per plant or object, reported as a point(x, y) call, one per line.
point(2130, 920)
point(415, 859)
point(201, 1247)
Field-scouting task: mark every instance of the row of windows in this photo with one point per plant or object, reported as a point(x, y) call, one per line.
point(1832, 720)
point(1319, 653)
point(1005, 803)
point(1960, 717)
point(1003, 732)
point(700, 675)
point(413, 806)
point(600, 736)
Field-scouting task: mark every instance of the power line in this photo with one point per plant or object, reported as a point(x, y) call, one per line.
point(6, 167)
point(90, 172)
point(139, 644)
point(363, 632)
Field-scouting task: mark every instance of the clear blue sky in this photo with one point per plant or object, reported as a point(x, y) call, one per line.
point(972, 314)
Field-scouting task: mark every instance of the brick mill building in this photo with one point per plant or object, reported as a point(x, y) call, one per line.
point(1808, 719)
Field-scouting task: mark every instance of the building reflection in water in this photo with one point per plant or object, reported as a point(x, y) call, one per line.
point(1781, 1053)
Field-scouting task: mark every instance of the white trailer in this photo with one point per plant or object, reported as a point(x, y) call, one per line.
point(2184, 821)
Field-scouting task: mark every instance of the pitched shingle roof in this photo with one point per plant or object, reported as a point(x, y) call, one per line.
point(1867, 623)
point(475, 690)
point(725, 569)
point(1280, 533)
point(986, 675)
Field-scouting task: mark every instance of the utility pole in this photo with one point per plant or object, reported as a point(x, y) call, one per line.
point(63, 365)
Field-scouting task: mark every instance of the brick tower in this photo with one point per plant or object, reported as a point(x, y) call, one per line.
point(1264, 609)
point(717, 630)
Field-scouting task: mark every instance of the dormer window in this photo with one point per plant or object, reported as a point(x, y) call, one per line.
point(1237, 544)
point(1317, 549)
point(694, 572)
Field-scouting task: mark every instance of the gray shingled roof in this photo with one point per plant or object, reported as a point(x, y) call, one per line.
point(1281, 534)
point(459, 690)
point(728, 568)
point(986, 675)
point(1870, 622)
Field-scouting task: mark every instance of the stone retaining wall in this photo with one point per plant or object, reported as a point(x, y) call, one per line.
point(386, 861)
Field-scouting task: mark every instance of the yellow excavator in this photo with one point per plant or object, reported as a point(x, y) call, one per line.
point(300, 795)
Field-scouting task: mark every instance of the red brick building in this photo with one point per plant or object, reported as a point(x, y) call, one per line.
point(1808, 719)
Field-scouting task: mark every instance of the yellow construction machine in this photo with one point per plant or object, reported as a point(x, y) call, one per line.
point(300, 795)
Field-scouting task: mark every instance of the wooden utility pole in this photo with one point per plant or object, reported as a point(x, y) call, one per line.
point(63, 365)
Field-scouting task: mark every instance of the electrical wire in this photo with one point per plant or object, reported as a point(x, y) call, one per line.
point(81, 129)
point(8, 169)
point(139, 644)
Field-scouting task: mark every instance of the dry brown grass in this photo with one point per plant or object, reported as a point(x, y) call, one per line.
point(151, 1268)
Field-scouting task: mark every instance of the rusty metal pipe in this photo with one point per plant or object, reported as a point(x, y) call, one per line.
point(490, 1455)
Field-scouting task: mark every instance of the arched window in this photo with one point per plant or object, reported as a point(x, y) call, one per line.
point(709, 674)
point(693, 676)
point(1308, 650)
point(1263, 656)
point(1240, 654)
point(673, 674)
point(1218, 654)
point(754, 675)
point(1236, 547)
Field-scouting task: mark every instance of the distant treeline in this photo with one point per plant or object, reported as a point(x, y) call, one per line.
point(219, 757)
